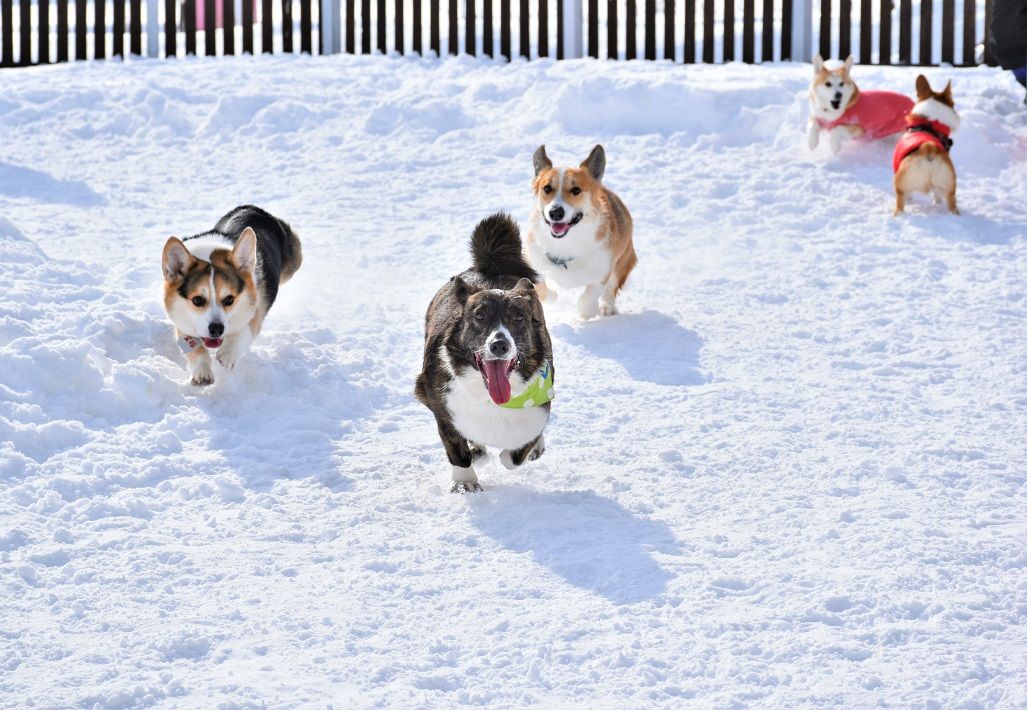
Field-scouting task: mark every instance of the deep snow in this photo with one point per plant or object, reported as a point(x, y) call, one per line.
point(793, 471)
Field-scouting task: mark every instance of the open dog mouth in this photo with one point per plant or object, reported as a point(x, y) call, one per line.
point(496, 376)
point(836, 103)
point(560, 229)
point(212, 342)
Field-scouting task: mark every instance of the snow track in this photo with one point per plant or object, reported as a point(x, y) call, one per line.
point(791, 472)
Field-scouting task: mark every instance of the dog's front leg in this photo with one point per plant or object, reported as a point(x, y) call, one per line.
point(838, 134)
point(511, 459)
point(461, 456)
point(812, 134)
point(198, 362)
point(588, 302)
point(234, 347)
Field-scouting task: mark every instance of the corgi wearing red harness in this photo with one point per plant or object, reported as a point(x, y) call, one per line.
point(838, 107)
point(921, 160)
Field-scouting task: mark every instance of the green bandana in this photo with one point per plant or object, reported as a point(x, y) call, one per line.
point(539, 390)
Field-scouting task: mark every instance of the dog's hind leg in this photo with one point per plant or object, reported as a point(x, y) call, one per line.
point(461, 456)
point(511, 459)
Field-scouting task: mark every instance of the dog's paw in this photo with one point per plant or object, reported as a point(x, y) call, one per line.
point(587, 307)
point(536, 453)
point(813, 138)
point(607, 309)
point(466, 487)
point(227, 357)
point(202, 377)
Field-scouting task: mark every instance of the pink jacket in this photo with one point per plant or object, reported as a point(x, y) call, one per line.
point(878, 113)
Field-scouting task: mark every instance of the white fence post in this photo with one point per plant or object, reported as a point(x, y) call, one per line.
point(152, 29)
point(802, 30)
point(572, 29)
point(331, 12)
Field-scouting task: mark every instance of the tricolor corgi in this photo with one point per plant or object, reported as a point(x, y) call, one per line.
point(921, 160)
point(579, 234)
point(219, 285)
point(840, 108)
point(487, 374)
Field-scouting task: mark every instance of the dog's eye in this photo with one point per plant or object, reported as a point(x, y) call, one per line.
point(547, 189)
point(199, 301)
point(575, 190)
point(518, 317)
point(480, 315)
point(229, 300)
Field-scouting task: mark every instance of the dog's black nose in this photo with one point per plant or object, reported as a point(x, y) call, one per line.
point(500, 347)
point(556, 214)
point(216, 329)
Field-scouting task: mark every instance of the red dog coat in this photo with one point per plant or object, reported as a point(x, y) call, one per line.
point(878, 113)
point(920, 131)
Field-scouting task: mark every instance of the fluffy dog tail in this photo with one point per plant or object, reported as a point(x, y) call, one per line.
point(496, 249)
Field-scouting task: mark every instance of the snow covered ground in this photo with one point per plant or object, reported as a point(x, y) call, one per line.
point(793, 471)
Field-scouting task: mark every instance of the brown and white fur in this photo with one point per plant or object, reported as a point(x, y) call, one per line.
point(579, 233)
point(830, 94)
point(929, 169)
point(219, 285)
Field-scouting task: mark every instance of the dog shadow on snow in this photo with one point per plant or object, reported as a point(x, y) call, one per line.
point(590, 541)
point(650, 345)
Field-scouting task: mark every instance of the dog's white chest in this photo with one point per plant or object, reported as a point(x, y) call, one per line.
point(484, 422)
point(575, 261)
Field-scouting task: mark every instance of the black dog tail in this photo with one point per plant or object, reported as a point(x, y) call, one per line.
point(496, 248)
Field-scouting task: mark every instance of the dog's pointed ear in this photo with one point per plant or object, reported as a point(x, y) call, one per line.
point(540, 160)
point(848, 64)
point(947, 91)
point(176, 259)
point(595, 163)
point(244, 253)
point(818, 64)
point(463, 290)
point(525, 286)
point(923, 88)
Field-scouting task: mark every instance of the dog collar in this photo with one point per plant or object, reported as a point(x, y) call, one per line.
point(935, 128)
point(188, 343)
point(560, 261)
point(538, 392)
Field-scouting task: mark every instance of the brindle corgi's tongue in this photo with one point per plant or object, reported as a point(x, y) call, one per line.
point(497, 372)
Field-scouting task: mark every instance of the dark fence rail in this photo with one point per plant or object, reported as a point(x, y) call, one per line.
point(687, 31)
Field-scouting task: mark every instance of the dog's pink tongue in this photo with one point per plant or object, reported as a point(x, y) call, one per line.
point(498, 374)
point(560, 228)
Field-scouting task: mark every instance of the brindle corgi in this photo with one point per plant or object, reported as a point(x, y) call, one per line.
point(219, 285)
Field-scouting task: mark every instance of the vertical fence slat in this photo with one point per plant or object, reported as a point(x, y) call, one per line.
point(969, 31)
point(669, 45)
point(504, 29)
point(729, 30)
point(749, 31)
point(844, 29)
point(559, 29)
point(905, 31)
point(287, 26)
point(267, 28)
point(948, 31)
point(62, 31)
point(382, 46)
point(454, 32)
point(228, 26)
point(689, 57)
point(611, 30)
point(306, 27)
point(80, 29)
point(210, 33)
point(707, 32)
point(487, 38)
point(525, 33)
point(543, 28)
point(25, 31)
point(118, 29)
point(767, 50)
point(435, 43)
point(470, 33)
point(351, 26)
point(135, 26)
point(926, 36)
point(631, 30)
point(399, 27)
point(884, 33)
point(825, 29)
point(866, 25)
point(190, 25)
point(989, 58)
point(593, 28)
point(650, 29)
point(170, 28)
point(365, 25)
point(786, 30)
point(43, 37)
point(7, 32)
point(247, 26)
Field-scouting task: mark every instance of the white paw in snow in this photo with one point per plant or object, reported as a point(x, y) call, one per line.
point(227, 357)
point(607, 309)
point(540, 448)
point(587, 307)
point(466, 487)
point(202, 376)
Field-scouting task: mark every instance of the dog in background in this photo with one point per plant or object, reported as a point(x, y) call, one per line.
point(487, 373)
point(579, 234)
point(219, 285)
point(921, 159)
point(838, 107)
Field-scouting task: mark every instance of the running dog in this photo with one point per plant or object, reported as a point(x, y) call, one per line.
point(921, 160)
point(219, 285)
point(487, 374)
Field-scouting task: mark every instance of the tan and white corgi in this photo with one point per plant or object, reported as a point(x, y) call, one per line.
point(921, 160)
point(219, 285)
point(838, 107)
point(579, 233)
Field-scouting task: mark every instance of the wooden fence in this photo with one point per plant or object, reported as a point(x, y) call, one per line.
point(709, 31)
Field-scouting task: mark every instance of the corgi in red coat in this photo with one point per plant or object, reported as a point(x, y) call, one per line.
point(840, 108)
point(921, 160)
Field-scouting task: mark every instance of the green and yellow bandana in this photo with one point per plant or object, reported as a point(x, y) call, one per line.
point(539, 390)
